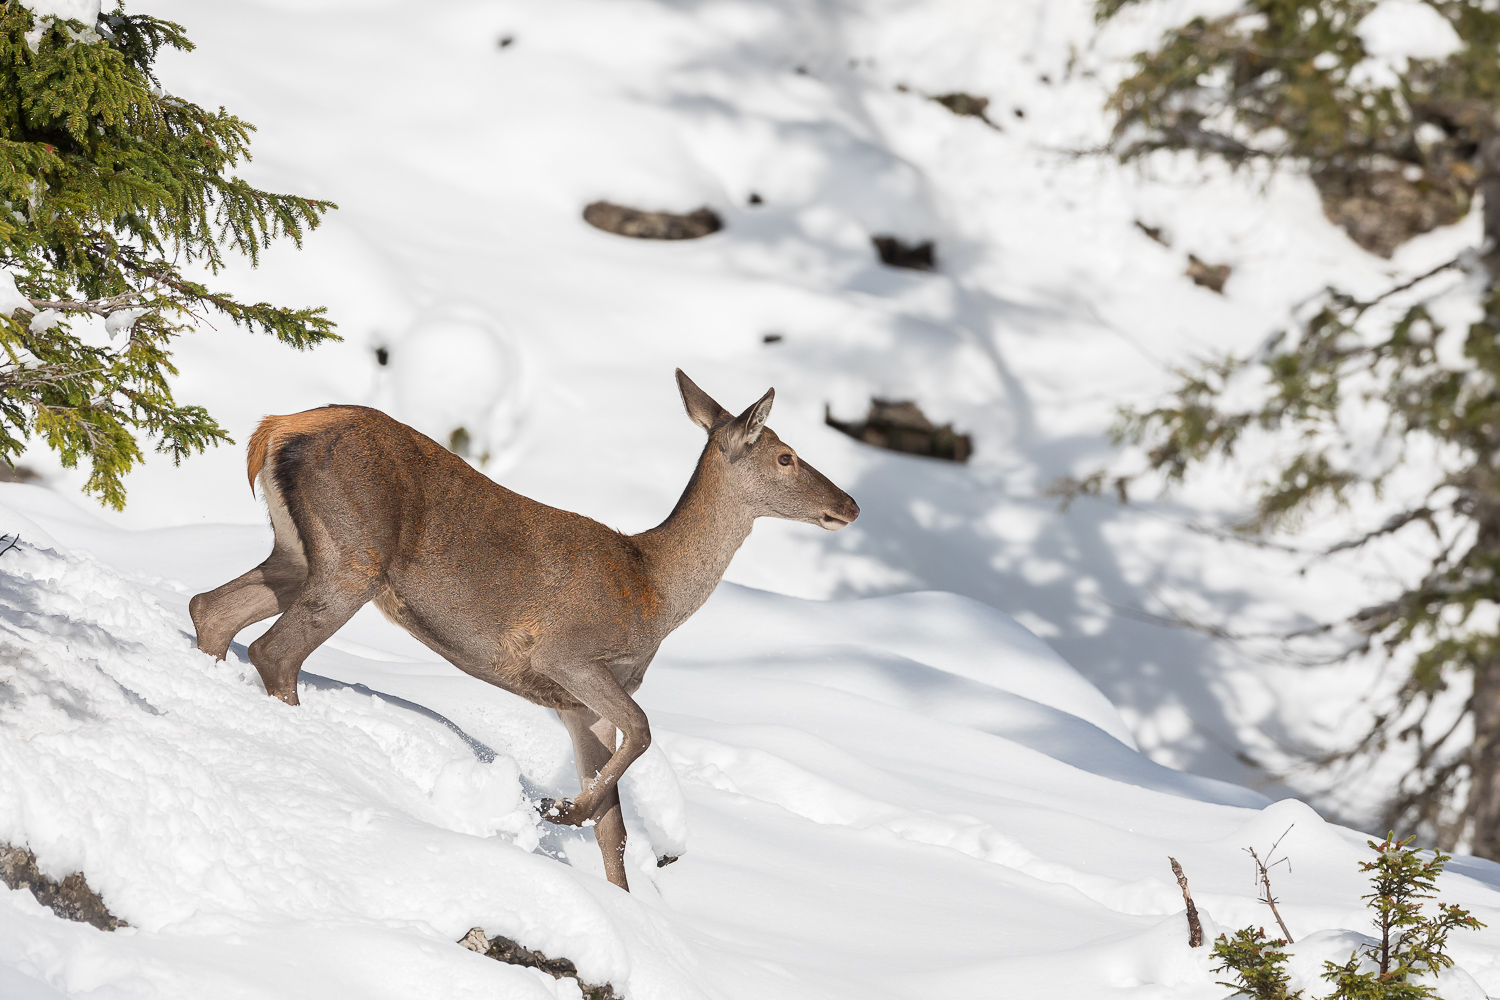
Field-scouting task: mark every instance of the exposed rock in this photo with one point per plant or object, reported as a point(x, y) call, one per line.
point(1210, 276)
point(966, 105)
point(640, 225)
point(503, 949)
point(1381, 209)
point(899, 425)
point(915, 256)
point(17, 474)
point(71, 899)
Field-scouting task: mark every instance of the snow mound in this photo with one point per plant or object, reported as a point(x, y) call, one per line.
point(203, 810)
point(908, 793)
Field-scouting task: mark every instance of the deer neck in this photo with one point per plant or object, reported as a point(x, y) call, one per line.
point(689, 551)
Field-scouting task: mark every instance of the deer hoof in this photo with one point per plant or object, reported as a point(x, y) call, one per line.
point(563, 812)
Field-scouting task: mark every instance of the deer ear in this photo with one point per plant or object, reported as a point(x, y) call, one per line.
point(700, 405)
point(748, 425)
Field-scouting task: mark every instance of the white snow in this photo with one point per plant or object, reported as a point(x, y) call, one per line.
point(121, 320)
point(897, 792)
point(907, 795)
point(45, 320)
point(86, 11)
point(1397, 31)
point(1407, 28)
point(477, 374)
point(11, 298)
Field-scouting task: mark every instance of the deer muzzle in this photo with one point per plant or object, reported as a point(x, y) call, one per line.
point(833, 520)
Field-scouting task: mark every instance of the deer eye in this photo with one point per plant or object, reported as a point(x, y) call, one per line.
point(785, 460)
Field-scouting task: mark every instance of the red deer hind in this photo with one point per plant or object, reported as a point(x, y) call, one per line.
point(549, 605)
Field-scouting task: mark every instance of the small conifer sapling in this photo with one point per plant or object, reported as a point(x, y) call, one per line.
point(1412, 943)
point(1257, 962)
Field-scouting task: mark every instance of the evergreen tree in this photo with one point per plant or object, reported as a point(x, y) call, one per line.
point(1395, 146)
point(1412, 944)
point(108, 188)
point(1258, 964)
point(1400, 965)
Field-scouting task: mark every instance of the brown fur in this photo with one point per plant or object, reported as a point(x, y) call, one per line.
point(272, 430)
point(550, 605)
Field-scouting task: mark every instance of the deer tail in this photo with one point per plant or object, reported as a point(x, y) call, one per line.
point(260, 443)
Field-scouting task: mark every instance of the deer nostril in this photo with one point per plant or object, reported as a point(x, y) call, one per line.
point(852, 509)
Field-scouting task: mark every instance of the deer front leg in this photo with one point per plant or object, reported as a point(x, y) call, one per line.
point(593, 684)
point(593, 745)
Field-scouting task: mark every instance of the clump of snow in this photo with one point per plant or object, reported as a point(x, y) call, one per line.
point(86, 11)
point(45, 320)
point(11, 298)
point(1395, 32)
point(485, 799)
point(1407, 29)
point(655, 796)
point(122, 320)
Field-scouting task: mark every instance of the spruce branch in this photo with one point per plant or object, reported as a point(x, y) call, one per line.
point(108, 186)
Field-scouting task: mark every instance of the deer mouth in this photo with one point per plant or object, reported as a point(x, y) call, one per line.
point(832, 523)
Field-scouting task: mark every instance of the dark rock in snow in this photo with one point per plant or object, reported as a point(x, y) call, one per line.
point(966, 105)
point(915, 256)
point(641, 225)
point(71, 899)
point(503, 949)
point(899, 425)
point(1210, 276)
point(17, 474)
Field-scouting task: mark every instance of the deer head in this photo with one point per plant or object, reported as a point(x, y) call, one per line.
point(765, 472)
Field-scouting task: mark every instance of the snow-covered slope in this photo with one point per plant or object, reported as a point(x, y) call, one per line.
point(905, 796)
point(902, 795)
point(461, 168)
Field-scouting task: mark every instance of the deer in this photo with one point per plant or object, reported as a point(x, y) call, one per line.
point(549, 605)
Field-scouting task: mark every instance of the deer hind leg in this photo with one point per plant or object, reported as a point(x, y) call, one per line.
point(268, 589)
point(593, 745)
point(323, 605)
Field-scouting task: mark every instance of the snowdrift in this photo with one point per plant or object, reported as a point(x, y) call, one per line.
point(898, 796)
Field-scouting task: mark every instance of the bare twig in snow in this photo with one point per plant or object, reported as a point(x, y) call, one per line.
point(1263, 876)
point(12, 544)
point(1195, 926)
